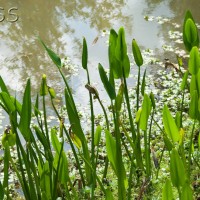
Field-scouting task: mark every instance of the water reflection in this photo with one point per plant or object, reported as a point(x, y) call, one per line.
point(62, 24)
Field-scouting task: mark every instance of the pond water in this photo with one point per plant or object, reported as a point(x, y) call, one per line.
point(63, 24)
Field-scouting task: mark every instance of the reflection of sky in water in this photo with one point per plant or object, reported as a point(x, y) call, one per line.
point(62, 25)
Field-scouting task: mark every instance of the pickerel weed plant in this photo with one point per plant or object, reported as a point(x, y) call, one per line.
point(42, 166)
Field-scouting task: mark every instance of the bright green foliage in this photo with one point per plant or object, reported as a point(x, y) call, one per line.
point(170, 125)
point(7, 102)
point(97, 135)
point(111, 150)
point(107, 85)
point(146, 110)
point(84, 54)
point(190, 32)
point(137, 53)
point(167, 193)
point(193, 110)
point(194, 61)
point(177, 169)
point(184, 81)
point(25, 119)
point(143, 83)
point(187, 193)
point(9, 137)
point(109, 195)
point(119, 98)
point(54, 57)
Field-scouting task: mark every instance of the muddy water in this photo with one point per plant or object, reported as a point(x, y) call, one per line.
point(62, 25)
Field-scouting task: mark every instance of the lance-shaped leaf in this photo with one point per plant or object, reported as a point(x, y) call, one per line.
point(170, 125)
point(167, 193)
point(121, 48)
point(146, 110)
point(84, 54)
point(187, 192)
point(126, 66)
point(137, 53)
point(193, 110)
point(7, 102)
point(115, 65)
point(184, 81)
point(25, 120)
point(193, 84)
point(177, 170)
point(143, 83)
point(190, 32)
point(194, 61)
point(44, 87)
point(119, 98)
point(54, 57)
point(152, 100)
point(97, 136)
point(55, 142)
point(3, 86)
point(109, 88)
point(111, 150)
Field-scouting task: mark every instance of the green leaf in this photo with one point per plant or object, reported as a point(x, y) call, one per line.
point(177, 170)
point(194, 61)
point(167, 193)
point(52, 92)
point(187, 193)
point(190, 32)
point(119, 98)
point(121, 48)
point(138, 114)
point(54, 57)
point(184, 81)
point(146, 110)
point(109, 195)
point(137, 53)
point(115, 65)
point(193, 84)
point(84, 54)
point(9, 105)
point(3, 86)
point(41, 137)
point(193, 109)
point(97, 136)
point(55, 142)
point(126, 66)
point(168, 143)
point(109, 88)
point(25, 120)
point(143, 83)
point(1, 192)
point(6, 165)
point(76, 140)
point(111, 150)
point(178, 119)
point(199, 141)
point(170, 125)
point(152, 100)
point(44, 87)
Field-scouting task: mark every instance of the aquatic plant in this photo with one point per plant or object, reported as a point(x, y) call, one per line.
point(42, 166)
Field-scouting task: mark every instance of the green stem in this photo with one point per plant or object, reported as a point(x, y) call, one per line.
point(138, 89)
point(128, 107)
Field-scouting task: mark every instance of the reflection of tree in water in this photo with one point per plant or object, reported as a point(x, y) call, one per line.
point(175, 11)
point(50, 20)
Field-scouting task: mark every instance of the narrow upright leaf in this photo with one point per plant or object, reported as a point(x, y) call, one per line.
point(184, 81)
point(109, 88)
point(146, 110)
point(137, 53)
point(84, 54)
point(54, 57)
point(121, 48)
point(143, 83)
point(177, 170)
point(1, 192)
point(9, 105)
point(111, 150)
point(187, 193)
point(97, 136)
point(194, 61)
point(170, 125)
point(119, 98)
point(193, 109)
point(25, 120)
point(167, 193)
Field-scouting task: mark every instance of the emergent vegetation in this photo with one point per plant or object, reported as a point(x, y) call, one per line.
point(129, 168)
